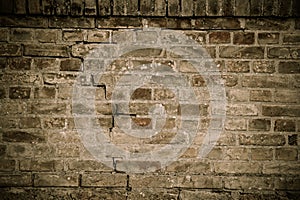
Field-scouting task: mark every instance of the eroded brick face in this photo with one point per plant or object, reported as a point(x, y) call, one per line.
point(43, 49)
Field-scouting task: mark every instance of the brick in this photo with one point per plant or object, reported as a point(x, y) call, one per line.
point(289, 67)
point(287, 96)
point(270, 7)
point(142, 94)
point(241, 52)
point(48, 7)
point(242, 8)
point(4, 34)
point(20, 150)
point(19, 6)
point(217, 23)
point(104, 180)
point(54, 79)
point(3, 63)
point(259, 125)
point(284, 8)
point(98, 36)
point(200, 8)
point(19, 63)
point(187, 8)
point(46, 50)
point(228, 7)
point(104, 7)
point(90, 7)
point(2, 93)
point(292, 140)
point(287, 154)
point(19, 92)
point(152, 193)
point(182, 166)
point(198, 181)
point(281, 168)
point(71, 65)
point(236, 153)
point(256, 7)
point(153, 181)
point(238, 66)
point(54, 123)
point(55, 179)
point(16, 21)
point(159, 8)
point(62, 7)
point(45, 64)
point(38, 165)
point(48, 108)
point(262, 154)
point(22, 136)
point(10, 49)
point(202, 195)
point(243, 38)
point(173, 8)
point(34, 7)
point(73, 35)
point(266, 81)
point(21, 35)
point(261, 95)
point(285, 125)
point(219, 37)
point(87, 165)
point(242, 110)
point(268, 38)
point(68, 22)
point(77, 7)
point(82, 50)
point(30, 122)
point(284, 52)
point(44, 93)
point(293, 111)
point(67, 150)
point(262, 140)
point(235, 124)
point(15, 180)
point(46, 36)
point(263, 66)
point(237, 95)
point(238, 167)
point(268, 24)
point(213, 8)
point(7, 165)
point(249, 183)
point(291, 183)
point(291, 38)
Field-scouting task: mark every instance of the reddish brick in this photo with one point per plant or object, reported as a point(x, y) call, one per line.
point(219, 37)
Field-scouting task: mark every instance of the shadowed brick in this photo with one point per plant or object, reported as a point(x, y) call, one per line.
point(284, 52)
point(243, 38)
point(19, 93)
point(55, 179)
point(287, 154)
point(285, 125)
point(104, 180)
point(289, 67)
point(268, 38)
point(241, 52)
point(71, 65)
point(21, 136)
point(293, 111)
point(19, 63)
point(259, 125)
point(15, 180)
point(219, 37)
point(10, 49)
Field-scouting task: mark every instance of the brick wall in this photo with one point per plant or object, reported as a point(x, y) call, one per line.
point(255, 45)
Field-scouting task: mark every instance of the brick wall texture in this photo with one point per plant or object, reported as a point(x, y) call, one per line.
point(254, 43)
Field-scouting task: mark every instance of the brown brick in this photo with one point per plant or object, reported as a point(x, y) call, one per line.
point(153, 181)
point(235, 124)
point(217, 23)
point(48, 108)
point(214, 8)
point(73, 35)
point(30, 122)
point(200, 8)
point(46, 36)
point(293, 111)
point(2, 93)
point(119, 22)
point(15, 180)
point(262, 140)
point(45, 64)
point(237, 95)
point(20, 150)
point(56, 179)
point(104, 180)
point(198, 81)
point(21, 21)
point(87, 165)
point(242, 8)
point(104, 7)
point(19, 63)
point(152, 193)
point(287, 96)
point(243, 38)
point(142, 94)
point(189, 166)
point(242, 110)
point(284, 7)
point(198, 181)
point(10, 49)
point(261, 95)
point(90, 7)
point(7, 165)
point(34, 7)
point(281, 168)
point(266, 81)
point(268, 24)
point(163, 94)
point(59, 22)
point(202, 195)
point(261, 154)
point(187, 8)
point(19, 6)
point(259, 124)
point(236, 153)
point(241, 52)
point(268, 38)
point(19, 93)
point(38, 165)
point(44, 93)
point(256, 7)
point(219, 37)
point(71, 65)
point(54, 79)
point(289, 67)
point(287, 154)
point(159, 8)
point(77, 7)
point(293, 140)
point(98, 36)
point(54, 123)
point(263, 67)
point(249, 183)
point(285, 125)
point(22, 136)
point(291, 38)
point(4, 34)
point(291, 183)
point(237, 167)
point(46, 50)
point(22, 35)
point(284, 52)
point(238, 66)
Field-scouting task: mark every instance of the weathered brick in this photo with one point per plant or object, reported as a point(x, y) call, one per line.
point(187, 8)
point(270, 7)
point(173, 8)
point(266, 81)
point(90, 7)
point(20, 150)
point(249, 183)
point(217, 23)
point(38, 165)
point(260, 95)
point(284, 7)
point(181, 166)
point(235, 124)
point(198, 181)
point(287, 96)
point(268, 24)
point(21, 21)
point(219, 37)
point(291, 183)
point(30, 122)
point(54, 123)
point(34, 7)
point(238, 66)
point(281, 168)
point(153, 181)
point(259, 124)
point(104, 180)
point(22, 136)
point(98, 36)
point(284, 52)
point(228, 7)
point(293, 111)
point(84, 22)
point(2, 93)
point(236, 153)
point(3, 63)
point(256, 7)
point(71, 65)
point(54, 79)
point(289, 67)
point(242, 110)
point(291, 38)
point(77, 7)
point(242, 8)
point(200, 8)
point(55, 179)
point(15, 180)
point(268, 38)
point(202, 195)
point(285, 125)
point(19, 6)
point(238, 95)
point(142, 94)
point(46, 36)
point(241, 52)
point(152, 193)
point(19, 63)
point(159, 8)
point(104, 7)
point(288, 154)
point(22, 35)
point(45, 64)
point(243, 38)
point(73, 35)
point(46, 50)
point(262, 140)
point(238, 167)
point(263, 67)
point(119, 22)
point(44, 93)
point(261, 154)
point(7, 165)
point(4, 34)
point(10, 49)
point(87, 165)
point(48, 108)
point(292, 140)
point(19, 92)
point(68, 150)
